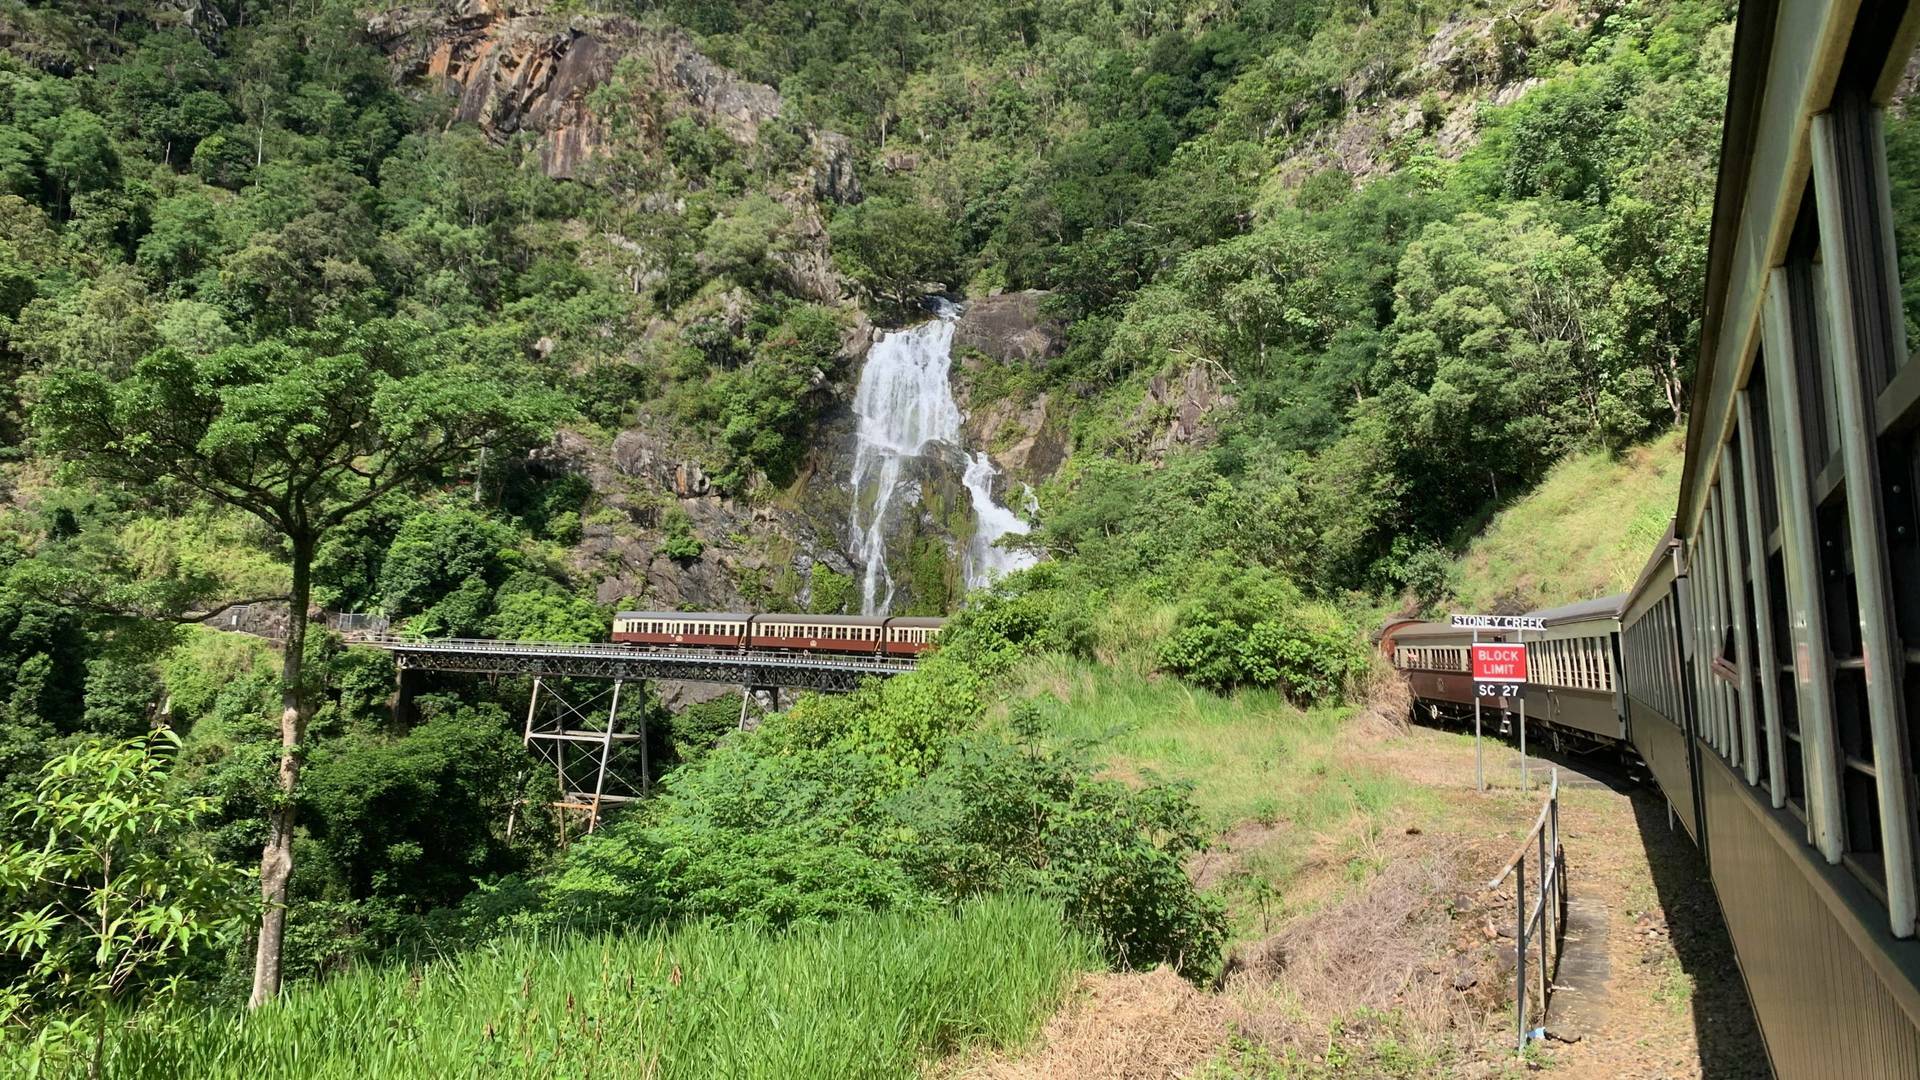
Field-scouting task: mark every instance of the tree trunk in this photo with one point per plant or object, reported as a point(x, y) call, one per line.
point(276, 859)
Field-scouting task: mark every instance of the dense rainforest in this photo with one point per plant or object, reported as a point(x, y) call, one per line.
point(491, 318)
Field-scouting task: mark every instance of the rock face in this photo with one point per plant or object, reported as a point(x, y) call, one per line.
point(1025, 437)
point(513, 68)
point(1187, 399)
point(1010, 328)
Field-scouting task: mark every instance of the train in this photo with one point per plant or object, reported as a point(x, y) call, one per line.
point(1575, 695)
point(1764, 664)
point(837, 635)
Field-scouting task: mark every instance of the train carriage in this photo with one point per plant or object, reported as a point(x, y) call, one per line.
point(1573, 685)
point(1659, 694)
point(690, 629)
point(897, 635)
point(1772, 683)
point(819, 633)
point(1436, 660)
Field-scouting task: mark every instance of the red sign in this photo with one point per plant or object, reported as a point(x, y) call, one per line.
point(1500, 663)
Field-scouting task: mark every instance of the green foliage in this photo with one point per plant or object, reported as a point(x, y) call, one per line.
point(796, 837)
point(680, 543)
point(765, 407)
point(1023, 814)
point(109, 891)
point(831, 591)
point(528, 607)
point(415, 816)
point(1249, 627)
point(435, 553)
point(895, 797)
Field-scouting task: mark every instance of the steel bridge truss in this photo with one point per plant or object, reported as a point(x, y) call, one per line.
point(827, 674)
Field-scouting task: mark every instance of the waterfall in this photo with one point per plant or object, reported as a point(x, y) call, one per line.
point(905, 410)
point(991, 522)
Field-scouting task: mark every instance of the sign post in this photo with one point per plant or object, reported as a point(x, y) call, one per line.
point(1521, 637)
point(1499, 671)
point(1479, 766)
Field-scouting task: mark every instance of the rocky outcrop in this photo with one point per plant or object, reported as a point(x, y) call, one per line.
point(1178, 410)
point(513, 68)
point(1022, 434)
point(641, 455)
point(1471, 60)
point(1025, 438)
point(832, 172)
point(1010, 328)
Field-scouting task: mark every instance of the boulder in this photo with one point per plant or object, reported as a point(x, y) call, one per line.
point(833, 172)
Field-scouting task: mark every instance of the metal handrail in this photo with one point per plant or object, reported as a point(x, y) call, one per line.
point(594, 651)
point(1543, 922)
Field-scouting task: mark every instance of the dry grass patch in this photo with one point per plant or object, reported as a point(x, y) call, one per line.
point(1131, 1026)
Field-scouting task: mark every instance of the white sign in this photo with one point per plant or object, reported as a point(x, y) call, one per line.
point(1495, 622)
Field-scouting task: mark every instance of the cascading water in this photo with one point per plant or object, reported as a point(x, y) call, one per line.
point(991, 522)
point(905, 410)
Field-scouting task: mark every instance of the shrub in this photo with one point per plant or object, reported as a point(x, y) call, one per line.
point(113, 893)
point(879, 800)
point(1018, 813)
point(680, 543)
point(1252, 627)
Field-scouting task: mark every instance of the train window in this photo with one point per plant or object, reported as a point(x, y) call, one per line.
point(1739, 592)
point(1901, 125)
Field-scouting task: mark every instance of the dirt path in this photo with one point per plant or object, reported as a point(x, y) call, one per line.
point(1383, 955)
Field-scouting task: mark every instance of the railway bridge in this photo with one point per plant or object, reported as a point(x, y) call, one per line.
point(592, 759)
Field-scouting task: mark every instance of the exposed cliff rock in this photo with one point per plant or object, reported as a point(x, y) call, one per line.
point(1470, 60)
point(1010, 328)
point(1025, 438)
point(994, 337)
point(514, 68)
point(1178, 409)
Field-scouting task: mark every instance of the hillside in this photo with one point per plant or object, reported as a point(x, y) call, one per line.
point(1222, 322)
point(1585, 530)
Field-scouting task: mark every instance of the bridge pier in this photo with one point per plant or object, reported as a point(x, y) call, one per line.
point(586, 750)
point(767, 697)
point(406, 685)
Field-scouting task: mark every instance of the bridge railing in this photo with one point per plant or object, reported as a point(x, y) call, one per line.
point(602, 651)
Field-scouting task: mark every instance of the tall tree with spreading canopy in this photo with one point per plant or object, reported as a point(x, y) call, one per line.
point(300, 435)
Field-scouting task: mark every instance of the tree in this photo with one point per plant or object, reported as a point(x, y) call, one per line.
point(109, 889)
point(894, 248)
point(302, 438)
point(81, 156)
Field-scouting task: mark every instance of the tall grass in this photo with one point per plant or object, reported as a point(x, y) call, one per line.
point(1585, 531)
point(874, 996)
point(1251, 756)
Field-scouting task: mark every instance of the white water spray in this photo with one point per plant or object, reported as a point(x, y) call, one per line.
point(906, 410)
